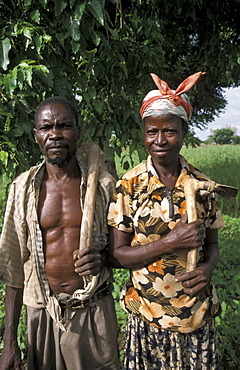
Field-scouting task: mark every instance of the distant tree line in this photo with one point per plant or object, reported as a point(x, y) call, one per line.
point(222, 136)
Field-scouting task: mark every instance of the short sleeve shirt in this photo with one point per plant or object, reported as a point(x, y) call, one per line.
point(144, 207)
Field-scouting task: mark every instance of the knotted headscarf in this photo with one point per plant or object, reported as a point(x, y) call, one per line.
point(164, 100)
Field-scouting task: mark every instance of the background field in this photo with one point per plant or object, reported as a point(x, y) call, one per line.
point(221, 164)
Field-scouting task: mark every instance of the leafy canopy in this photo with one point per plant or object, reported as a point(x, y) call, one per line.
point(223, 136)
point(99, 54)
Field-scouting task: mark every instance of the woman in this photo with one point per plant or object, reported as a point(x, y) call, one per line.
point(171, 313)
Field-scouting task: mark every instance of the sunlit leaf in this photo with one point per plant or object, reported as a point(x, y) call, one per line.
point(5, 47)
point(79, 10)
point(96, 9)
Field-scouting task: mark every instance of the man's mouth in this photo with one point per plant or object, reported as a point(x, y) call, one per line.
point(60, 146)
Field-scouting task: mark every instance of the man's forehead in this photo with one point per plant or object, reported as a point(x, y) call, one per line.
point(54, 111)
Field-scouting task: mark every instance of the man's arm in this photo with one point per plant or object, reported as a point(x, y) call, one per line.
point(11, 354)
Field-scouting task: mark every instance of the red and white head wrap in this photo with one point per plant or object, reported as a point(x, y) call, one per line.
point(165, 101)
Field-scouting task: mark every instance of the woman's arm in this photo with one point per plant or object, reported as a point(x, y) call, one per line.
point(183, 236)
point(197, 280)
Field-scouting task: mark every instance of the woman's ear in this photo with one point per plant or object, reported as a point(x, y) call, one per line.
point(185, 128)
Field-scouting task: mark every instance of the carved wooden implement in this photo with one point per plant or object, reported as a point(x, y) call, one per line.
point(90, 196)
point(191, 186)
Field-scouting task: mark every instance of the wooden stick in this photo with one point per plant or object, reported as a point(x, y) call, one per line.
point(90, 196)
point(191, 186)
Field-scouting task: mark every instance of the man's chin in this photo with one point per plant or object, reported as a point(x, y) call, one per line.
point(58, 161)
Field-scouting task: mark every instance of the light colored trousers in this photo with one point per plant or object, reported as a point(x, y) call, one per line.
point(90, 342)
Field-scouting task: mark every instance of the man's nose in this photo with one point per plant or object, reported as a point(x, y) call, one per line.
point(56, 132)
point(160, 138)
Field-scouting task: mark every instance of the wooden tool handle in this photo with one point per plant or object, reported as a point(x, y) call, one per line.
point(190, 189)
point(191, 186)
point(90, 196)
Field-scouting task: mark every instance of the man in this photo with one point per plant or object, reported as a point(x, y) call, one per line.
point(170, 312)
point(67, 328)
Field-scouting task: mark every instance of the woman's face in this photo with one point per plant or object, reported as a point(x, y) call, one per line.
point(163, 136)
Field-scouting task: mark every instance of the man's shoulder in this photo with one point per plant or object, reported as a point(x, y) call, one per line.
point(136, 171)
point(24, 176)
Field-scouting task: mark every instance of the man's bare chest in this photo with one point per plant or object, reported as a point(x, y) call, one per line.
point(59, 205)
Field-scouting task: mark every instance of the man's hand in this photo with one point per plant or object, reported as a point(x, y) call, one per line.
point(197, 280)
point(88, 261)
point(10, 358)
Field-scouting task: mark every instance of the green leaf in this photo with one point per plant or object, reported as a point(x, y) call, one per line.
point(79, 10)
point(96, 39)
point(38, 42)
point(4, 157)
point(96, 9)
point(27, 3)
point(74, 29)
point(28, 75)
point(18, 131)
point(47, 38)
point(4, 50)
point(35, 15)
point(43, 3)
point(10, 81)
point(27, 31)
point(60, 5)
point(75, 46)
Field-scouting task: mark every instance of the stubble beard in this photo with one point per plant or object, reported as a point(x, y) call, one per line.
point(60, 161)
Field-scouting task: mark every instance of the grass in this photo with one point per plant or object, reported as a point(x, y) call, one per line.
point(222, 164)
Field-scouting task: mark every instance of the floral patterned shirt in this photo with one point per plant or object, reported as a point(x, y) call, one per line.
point(143, 206)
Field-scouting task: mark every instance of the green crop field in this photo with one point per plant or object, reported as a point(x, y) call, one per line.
point(222, 164)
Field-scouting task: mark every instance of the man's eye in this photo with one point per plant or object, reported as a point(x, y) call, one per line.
point(46, 127)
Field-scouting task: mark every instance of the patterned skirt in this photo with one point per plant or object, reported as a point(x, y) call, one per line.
point(148, 347)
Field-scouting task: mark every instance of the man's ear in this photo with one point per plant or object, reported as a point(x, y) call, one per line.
point(34, 134)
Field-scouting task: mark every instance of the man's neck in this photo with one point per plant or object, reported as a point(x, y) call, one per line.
point(65, 170)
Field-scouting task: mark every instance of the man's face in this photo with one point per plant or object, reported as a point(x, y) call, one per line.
point(164, 136)
point(56, 133)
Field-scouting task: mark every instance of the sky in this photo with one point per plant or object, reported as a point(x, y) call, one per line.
point(230, 117)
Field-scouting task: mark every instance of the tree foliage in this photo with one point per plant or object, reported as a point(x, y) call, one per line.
point(98, 54)
point(223, 136)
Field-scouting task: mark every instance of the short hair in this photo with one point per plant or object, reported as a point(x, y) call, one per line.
point(56, 100)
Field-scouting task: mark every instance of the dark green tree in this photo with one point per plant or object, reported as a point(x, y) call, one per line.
point(223, 136)
point(99, 55)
